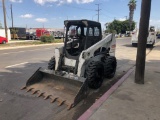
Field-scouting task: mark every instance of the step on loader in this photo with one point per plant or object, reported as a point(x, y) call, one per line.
point(82, 63)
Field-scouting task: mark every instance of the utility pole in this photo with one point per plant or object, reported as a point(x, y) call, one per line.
point(98, 11)
point(5, 23)
point(12, 15)
point(26, 28)
point(142, 39)
point(43, 25)
point(126, 17)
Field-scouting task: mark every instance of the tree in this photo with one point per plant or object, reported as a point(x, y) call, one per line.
point(132, 7)
point(14, 32)
point(119, 26)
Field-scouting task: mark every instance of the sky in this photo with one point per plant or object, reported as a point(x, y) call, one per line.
point(52, 13)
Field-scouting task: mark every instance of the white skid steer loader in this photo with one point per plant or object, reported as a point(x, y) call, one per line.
point(82, 63)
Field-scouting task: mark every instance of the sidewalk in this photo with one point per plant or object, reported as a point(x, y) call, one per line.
point(132, 101)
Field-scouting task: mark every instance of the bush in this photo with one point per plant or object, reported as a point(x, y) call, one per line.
point(47, 39)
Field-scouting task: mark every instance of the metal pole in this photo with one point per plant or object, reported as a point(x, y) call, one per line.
point(98, 11)
point(5, 23)
point(142, 40)
point(12, 15)
point(126, 17)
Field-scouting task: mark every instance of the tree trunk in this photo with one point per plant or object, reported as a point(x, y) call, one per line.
point(142, 40)
point(131, 18)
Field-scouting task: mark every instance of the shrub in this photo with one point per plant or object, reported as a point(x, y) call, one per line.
point(47, 39)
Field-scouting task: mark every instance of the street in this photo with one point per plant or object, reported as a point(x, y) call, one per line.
point(17, 65)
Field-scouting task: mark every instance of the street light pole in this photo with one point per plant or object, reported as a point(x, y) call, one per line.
point(142, 40)
point(5, 23)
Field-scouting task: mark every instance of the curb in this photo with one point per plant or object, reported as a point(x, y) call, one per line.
point(86, 115)
point(16, 47)
point(122, 37)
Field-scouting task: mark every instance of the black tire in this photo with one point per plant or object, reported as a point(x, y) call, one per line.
point(4, 42)
point(151, 46)
point(134, 44)
point(94, 74)
point(51, 64)
point(110, 64)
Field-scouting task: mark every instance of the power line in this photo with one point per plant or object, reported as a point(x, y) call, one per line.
point(106, 15)
point(70, 6)
point(109, 12)
point(8, 16)
point(126, 17)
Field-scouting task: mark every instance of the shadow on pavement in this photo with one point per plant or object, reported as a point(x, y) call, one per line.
point(130, 45)
point(21, 105)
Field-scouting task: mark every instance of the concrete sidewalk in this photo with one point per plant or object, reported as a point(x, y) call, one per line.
point(132, 101)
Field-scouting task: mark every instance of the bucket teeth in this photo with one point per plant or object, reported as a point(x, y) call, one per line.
point(35, 92)
point(23, 88)
point(61, 102)
point(54, 99)
point(40, 94)
point(29, 89)
point(48, 96)
point(69, 106)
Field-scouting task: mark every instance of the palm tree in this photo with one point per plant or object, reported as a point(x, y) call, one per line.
point(132, 7)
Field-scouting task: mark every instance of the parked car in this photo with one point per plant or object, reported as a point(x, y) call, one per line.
point(3, 40)
point(116, 35)
point(31, 36)
point(158, 36)
point(151, 39)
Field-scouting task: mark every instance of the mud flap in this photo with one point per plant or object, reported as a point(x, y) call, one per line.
point(57, 86)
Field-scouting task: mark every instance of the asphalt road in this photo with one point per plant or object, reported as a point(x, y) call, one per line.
point(17, 65)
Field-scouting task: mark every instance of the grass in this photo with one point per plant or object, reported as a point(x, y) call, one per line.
point(27, 43)
point(58, 41)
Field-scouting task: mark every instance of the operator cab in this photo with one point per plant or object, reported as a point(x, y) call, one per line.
point(80, 35)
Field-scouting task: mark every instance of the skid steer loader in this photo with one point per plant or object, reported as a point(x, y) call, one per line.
point(82, 63)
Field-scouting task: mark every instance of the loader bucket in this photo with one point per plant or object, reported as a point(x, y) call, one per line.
point(57, 87)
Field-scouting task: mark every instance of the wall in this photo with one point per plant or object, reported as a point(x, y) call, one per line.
point(2, 33)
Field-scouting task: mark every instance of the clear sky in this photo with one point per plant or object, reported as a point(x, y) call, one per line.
point(52, 13)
